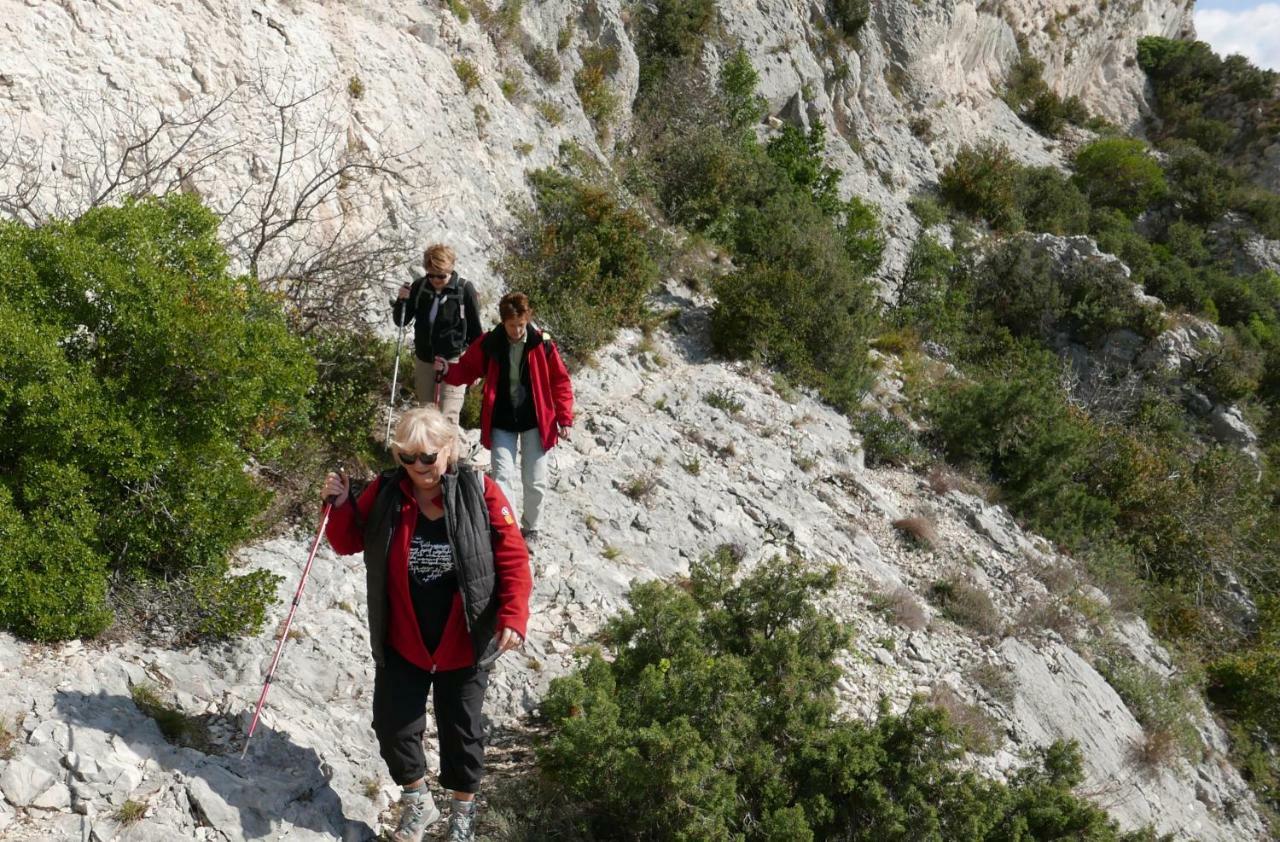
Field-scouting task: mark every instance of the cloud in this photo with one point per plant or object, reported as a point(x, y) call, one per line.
point(1253, 32)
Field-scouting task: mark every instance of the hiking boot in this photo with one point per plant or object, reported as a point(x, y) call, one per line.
point(417, 813)
point(462, 819)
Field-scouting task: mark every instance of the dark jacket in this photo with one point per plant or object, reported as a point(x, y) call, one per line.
point(457, 322)
point(492, 562)
point(548, 381)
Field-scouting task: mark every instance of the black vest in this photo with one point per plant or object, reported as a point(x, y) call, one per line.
point(466, 518)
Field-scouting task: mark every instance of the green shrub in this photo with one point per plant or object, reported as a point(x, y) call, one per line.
point(544, 62)
point(932, 298)
point(1246, 683)
point(670, 35)
point(1050, 202)
point(850, 15)
point(583, 259)
point(1031, 99)
point(1013, 422)
point(349, 399)
point(1022, 290)
point(796, 289)
point(982, 182)
point(716, 720)
point(137, 379)
point(599, 101)
point(1200, 188)
point(887, 440)
point(1119, 173)
point(467, 72)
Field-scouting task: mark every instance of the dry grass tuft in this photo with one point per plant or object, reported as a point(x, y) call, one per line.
point(902, 606)
point(919, 529)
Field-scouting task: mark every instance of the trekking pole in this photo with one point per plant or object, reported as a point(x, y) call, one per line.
point(395, 372)
point(284, 633)
point(395, 376)
point(439, 380)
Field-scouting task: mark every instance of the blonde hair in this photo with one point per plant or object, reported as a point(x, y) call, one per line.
point(424, 429)
point(439, 256)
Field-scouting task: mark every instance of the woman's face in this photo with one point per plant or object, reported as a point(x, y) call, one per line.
point(422, 475)
point(438, 276)
point(515, 327)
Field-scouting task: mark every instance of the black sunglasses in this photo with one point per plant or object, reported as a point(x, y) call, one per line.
point(408, 459)
point(435, 276)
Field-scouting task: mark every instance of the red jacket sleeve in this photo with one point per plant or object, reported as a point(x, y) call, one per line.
point(345, 530)
point(470, 367)
point(561, 388)
point(510, 560)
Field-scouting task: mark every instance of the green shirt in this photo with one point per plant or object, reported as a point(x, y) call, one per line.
point(515, 350)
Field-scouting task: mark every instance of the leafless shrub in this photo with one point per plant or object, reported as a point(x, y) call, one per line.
point(290, 218)
point(979, 731)
point(919, 529)
point(996, 680)
point(1047, 614)
point(963, 602)
point(902, 607)
point(1155, 748)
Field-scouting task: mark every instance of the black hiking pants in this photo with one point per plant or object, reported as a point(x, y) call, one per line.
point(400, 716)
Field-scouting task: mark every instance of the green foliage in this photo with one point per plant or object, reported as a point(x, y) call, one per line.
point(599, 101)
point(544, 62)
point(982, 182)
point(1035, 102)
point(177, 727)
point(353, 371)
point(1166, 708)
point(1246, 682)
point(467, 72)
point(1051, 202)
point(671, 35)
point(1119, 173)
point(136, 381)
point(850, 15)
point(355, 87)
point(797, 303)
point(716, 720)
point(1013, 422)
point(582, 258)
point(887, 440)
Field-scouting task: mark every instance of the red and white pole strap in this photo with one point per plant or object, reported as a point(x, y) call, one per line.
point(284, 633)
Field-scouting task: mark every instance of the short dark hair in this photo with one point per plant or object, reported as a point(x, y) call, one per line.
point(514, 304)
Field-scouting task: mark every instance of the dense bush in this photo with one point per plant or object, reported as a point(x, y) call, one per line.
point(1119, 173)
point(1020, 288)
point(1034, 101)
point(670, 35)
point(1050, 202)
point(716, 720)
point(850, 15)
point(137, 379)
point(982, 182)
point(583, 259)
point(797, 302)
point(1013, 422)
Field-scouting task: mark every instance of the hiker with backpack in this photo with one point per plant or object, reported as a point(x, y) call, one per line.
point(448, 588)
point(446, 317)
point(527, 402)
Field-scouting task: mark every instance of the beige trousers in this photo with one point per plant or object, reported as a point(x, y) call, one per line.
point(424, 385)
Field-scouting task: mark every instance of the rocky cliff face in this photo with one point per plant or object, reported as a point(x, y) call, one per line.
point(783, 472)
point(81, 81)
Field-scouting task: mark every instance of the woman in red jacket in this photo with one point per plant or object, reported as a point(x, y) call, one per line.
point(528, 401)
point(448, 588)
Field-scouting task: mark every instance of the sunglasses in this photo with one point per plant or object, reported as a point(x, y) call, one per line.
point(436, 276)
point(408, 459)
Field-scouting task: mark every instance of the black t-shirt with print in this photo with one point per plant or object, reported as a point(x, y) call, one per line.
point(433, 579)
